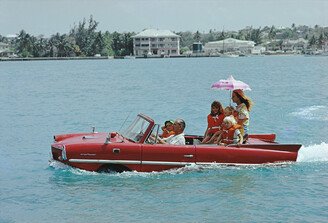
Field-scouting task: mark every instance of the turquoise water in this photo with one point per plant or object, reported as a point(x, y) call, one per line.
point(41, 98)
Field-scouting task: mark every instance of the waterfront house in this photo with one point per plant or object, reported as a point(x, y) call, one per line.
point(257, 50)
point(298, 45)
point(154, 42)
point(4, 47)
point(229, 45)
point(5, 50)
point(274, 45)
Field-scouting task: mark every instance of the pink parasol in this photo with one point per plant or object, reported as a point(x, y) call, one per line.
point(230, 84)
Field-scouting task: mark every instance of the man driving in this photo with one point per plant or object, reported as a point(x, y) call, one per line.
point(178, 137)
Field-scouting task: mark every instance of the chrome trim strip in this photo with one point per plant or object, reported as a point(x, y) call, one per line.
point(104, 161)
point(166, 163)
point(154, 162)
point(234, 164)
point(131, 162)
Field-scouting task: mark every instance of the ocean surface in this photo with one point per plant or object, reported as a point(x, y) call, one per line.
point(39, 99)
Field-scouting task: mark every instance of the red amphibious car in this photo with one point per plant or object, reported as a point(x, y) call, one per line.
point(134, 150)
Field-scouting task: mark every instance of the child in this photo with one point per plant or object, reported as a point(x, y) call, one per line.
point(167, 129)
point(231, 133)
point(214, 121)
point(229, 110)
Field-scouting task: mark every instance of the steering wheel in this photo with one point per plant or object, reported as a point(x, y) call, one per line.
point(151, 139)
point(139, 136)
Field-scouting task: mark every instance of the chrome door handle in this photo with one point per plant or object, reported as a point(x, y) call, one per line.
point(116, 150)
point(188, 156)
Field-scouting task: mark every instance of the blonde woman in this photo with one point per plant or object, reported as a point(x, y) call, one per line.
point(244, 105)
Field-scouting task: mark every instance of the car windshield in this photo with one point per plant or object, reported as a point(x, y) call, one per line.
point(137, 129)
point(153, 136)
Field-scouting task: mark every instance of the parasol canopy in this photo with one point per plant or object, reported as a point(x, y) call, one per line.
point(230, 84)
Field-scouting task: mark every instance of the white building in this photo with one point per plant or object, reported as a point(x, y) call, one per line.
point(229, 45)
point(4, 47)
point(156, 42)
point(325, 46)
point(257, 50)
point(294, 45)
point(5, 50)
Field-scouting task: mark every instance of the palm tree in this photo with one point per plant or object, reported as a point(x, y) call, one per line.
point(85, 36)
point(272, 33)
point(312, 41)
point(98, 44)
point(116, 43)
point(222, 36)
point(197, 36)
point(256, 36)
point(24, 44)
point(127, 43)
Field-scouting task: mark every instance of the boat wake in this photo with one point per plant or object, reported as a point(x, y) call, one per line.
point(65, 168)
point(313, 153)
point(316, 112)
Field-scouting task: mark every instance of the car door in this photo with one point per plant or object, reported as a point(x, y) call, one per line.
point(159, 157)
point(126, 154)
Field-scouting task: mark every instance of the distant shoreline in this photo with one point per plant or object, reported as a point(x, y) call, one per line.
point(4, 59)
point(51, 58)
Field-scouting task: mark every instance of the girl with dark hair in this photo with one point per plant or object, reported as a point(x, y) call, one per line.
point(214, 120)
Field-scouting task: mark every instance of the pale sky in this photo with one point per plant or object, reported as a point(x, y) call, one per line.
point(48, 17)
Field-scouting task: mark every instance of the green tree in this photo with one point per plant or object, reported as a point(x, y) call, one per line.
point(85, 36)
point(287, 33)
point(312, 41)
point(321, 39)
point(209, 37)
point(256, 36)
point(272, 33)
point(107, 50)
point(116, 43)
point(3, 39)
point(197, 36)
point(127, 43)
point(222, 36)
point(98, 44)
point(293, 27)
point(24, 44)
point(39, 46)
point(184, 49)
point(62, 46)
point(187, 39)
point(240, 35)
